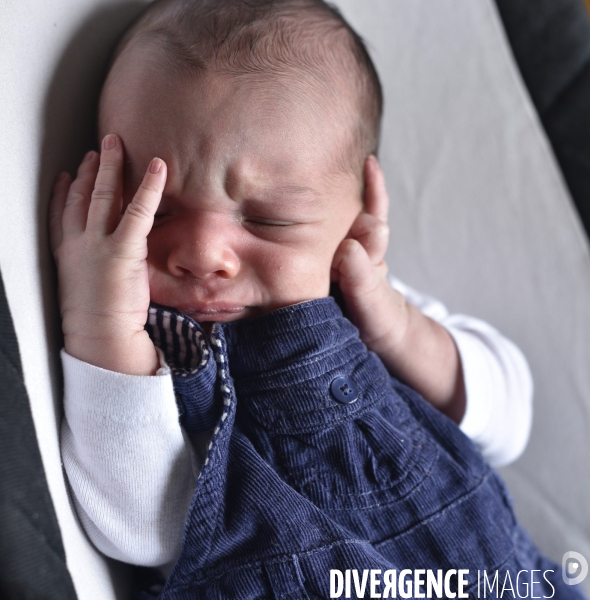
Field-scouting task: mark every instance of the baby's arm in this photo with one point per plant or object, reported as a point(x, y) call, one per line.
point(497, 379)
point(460, 365)
point(128, 464)
point(123, 449)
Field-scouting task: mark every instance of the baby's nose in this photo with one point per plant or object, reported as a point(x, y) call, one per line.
point(204, 249)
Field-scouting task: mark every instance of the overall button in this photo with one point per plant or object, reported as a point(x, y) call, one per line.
point(343, 390)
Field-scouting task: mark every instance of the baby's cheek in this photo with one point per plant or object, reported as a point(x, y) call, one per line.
point(303, 274)
point(158, 243)
point(157, 271)
point(156, 283)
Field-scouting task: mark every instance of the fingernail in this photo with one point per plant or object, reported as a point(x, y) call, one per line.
point(353, 246)
point(109, 142)
point(88, 156)
point(155, 165)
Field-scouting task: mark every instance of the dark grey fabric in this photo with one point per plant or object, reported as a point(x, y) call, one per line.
point(550, 40)
point(32, 558)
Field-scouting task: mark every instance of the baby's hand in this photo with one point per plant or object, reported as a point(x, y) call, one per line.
point(101, 261)
point(360, 269)
point(413, 347)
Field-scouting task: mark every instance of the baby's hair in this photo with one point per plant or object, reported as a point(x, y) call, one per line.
point(303, 41)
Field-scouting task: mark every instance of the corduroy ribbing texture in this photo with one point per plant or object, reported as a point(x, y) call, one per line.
point(298, 482)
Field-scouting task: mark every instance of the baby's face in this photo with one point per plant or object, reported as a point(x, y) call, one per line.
point(253, 209)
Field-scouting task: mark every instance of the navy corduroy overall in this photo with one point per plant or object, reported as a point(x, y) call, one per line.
point(320, 461)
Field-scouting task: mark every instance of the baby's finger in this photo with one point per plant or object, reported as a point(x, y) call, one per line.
point(373, 234)
point(105, 206)
point(56, 209)
point(78, 196)
point(376, 198)
point(138, 219)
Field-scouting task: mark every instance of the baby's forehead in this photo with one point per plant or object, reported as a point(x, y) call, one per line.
point(305, 44)
point(328, 80)
point(141, 85)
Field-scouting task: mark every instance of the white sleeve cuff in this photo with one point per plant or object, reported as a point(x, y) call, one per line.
point(499, 390)
point(127, 460)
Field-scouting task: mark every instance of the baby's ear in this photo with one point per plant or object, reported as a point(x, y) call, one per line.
point(376, 200)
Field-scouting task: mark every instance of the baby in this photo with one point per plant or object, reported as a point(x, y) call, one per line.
point(297, 453)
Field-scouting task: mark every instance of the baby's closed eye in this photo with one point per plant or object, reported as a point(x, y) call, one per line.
point(265, 222)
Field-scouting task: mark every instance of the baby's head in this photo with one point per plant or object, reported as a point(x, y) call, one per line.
point(264, 112)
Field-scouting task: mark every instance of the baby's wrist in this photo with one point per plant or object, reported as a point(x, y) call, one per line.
point(130, 355)
point(385, 331)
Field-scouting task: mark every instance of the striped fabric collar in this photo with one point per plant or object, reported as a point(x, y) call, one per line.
point(181, 339)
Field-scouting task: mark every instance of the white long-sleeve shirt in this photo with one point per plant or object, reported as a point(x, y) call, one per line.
point(132, 469)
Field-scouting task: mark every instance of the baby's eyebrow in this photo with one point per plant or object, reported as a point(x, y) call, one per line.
point(286, 190)
point(295, 189)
